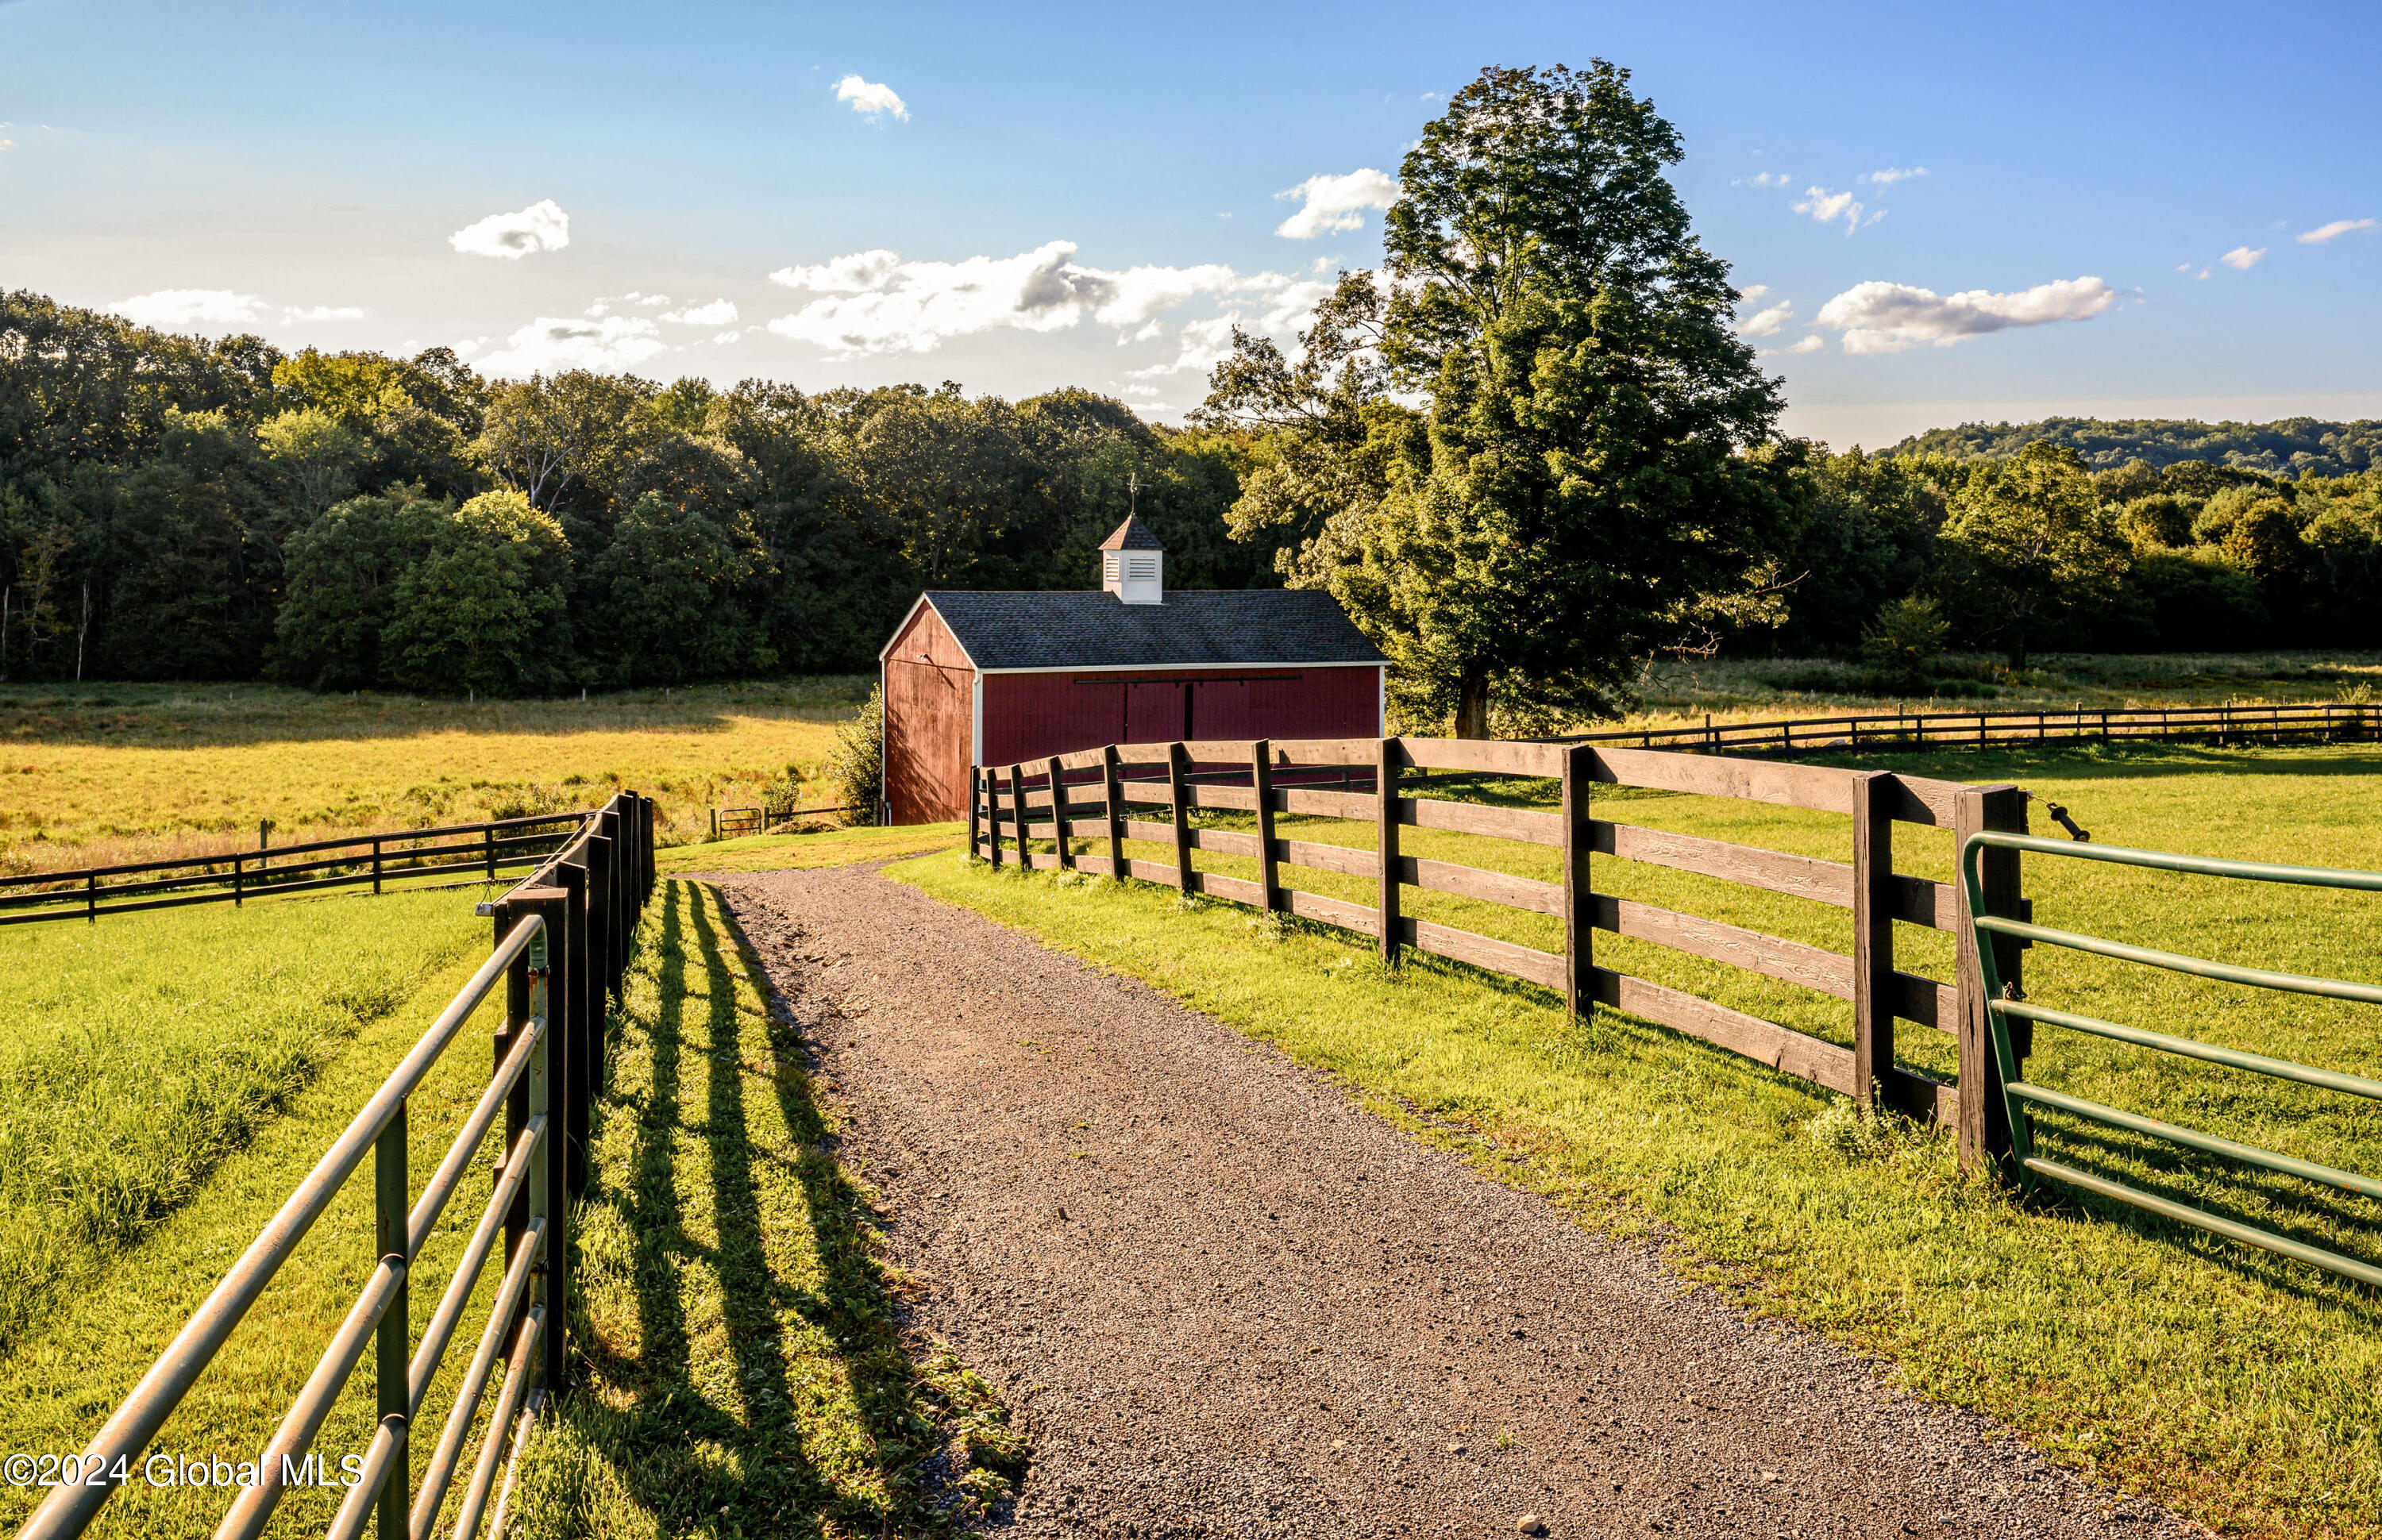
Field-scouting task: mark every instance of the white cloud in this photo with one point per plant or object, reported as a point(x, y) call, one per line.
point(1829, 207)
point(870, 99)
point(2183, 267)
point(855, 273)
point(719, 313)
point(1331, 203)
point(1205, 343)
point(1761, 178)
point(725, 338)
point(1767, 322)
point(323, 312)
point(1890, 176)
point(181, 308)
point(1139, 293)
point(611, 343)
point(468, 347)
point(1748, 296)
point(1140, 390)
point(1886, 318)
point(2242, 259)
point(541, 227)
point(913, 306)
point(1806, 345)
point(2338, 227)
point(6, 144)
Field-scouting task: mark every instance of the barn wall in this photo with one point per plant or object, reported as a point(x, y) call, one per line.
point(1031, 716)
point(929, 711)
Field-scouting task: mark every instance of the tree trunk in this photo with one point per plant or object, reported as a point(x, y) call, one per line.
point(1472, 704)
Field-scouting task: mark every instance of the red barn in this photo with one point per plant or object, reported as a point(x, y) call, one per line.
point(1006, 678)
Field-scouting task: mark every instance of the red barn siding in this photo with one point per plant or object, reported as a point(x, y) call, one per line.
point(1031, 716)
point(929, 707)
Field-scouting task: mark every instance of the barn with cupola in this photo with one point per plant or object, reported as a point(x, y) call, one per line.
point(1004, 679)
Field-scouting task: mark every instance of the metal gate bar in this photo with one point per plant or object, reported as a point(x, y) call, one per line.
point(2017, 1094)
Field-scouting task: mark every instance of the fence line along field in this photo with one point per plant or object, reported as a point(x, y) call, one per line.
point(100, 775)
point(2228, 1382)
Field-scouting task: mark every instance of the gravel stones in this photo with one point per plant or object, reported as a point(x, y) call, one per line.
point(1226, 1300)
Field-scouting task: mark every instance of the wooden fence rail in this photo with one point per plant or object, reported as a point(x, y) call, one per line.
point(1147, 793)
point(2329, 721)
point(463, 849)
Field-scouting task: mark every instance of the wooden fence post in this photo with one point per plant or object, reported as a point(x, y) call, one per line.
point(1984, 1135)
point(1017, 815)
point(1178, 780)
point(1058, 816)
point(1578, 933)
point(1873, 987)
point(1261, 782)
point(992, 810)
point(1113, 783)
point(1385, 816)
point(975, 810)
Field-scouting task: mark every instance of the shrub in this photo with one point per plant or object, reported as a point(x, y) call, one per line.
point(1905, 642)
point(856, 771)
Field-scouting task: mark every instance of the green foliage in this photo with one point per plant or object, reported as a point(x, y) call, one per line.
point(1594, 476)
point(856, 771)
point(1910, 634)
point(2029, 539)
point(2293, 447)
point(668, 597)
point(481, 607)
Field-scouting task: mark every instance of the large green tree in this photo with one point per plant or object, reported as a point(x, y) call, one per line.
point(2028, 540)
point(1597, 473)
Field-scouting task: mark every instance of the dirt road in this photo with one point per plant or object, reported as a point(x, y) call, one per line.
point(1228, 1302)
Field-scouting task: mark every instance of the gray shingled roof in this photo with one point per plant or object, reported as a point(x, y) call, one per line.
point(1194, 628)
point(1132, 535)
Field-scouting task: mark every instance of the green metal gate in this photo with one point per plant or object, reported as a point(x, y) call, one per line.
point(2018, 1096)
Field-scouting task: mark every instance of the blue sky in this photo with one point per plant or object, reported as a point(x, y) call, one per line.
point(1088, 195)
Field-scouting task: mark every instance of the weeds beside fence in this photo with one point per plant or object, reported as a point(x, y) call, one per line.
point(561, 946)
point(460, 850)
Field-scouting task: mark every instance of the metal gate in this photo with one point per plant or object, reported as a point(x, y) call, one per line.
point(2019, 1095)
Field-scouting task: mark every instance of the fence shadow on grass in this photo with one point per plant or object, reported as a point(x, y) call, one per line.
point(741, 1368)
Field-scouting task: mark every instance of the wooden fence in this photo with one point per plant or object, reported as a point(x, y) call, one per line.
point(2320, 722)
point(482, 850)
point(1102, 794)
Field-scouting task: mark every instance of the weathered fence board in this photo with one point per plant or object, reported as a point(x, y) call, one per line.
point(1182, 777)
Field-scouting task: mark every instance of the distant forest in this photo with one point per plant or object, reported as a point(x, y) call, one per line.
point(2293, 447)
point(175, 507)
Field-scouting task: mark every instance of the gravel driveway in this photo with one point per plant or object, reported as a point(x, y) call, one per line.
point(1226, 1300)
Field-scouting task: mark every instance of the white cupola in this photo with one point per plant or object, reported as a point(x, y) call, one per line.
point(1133, 564)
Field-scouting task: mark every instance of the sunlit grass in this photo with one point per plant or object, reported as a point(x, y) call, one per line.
point(2234, 1384)
point(137, 1054)
point(774, 852)
point(104, 774)
point(745, 1373)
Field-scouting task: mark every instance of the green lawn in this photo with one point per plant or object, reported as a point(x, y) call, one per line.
point(775, 853)
point(379, 969)
point(137, 1053)
point(2238, 1386)
point(745, 1373)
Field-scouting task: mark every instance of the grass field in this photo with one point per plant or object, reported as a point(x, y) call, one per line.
point(67, 1370)
point(2231, 1384)
point(1678, 692)
point(102, 773)
point(745, 1375)
point(720, 1238)
point(137, 1054)
point(779, 852)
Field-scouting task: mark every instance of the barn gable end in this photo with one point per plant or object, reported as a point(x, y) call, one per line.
point(930, 690)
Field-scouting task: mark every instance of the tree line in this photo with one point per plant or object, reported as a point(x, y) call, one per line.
point(186, 508)
point(1527, 454)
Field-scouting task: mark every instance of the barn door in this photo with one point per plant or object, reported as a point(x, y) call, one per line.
point(1219, 710)
point(1154, 713)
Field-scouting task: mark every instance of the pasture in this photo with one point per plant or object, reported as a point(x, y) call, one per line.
point(137, 1054)
point(100, 774)
point(2225, 1381)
